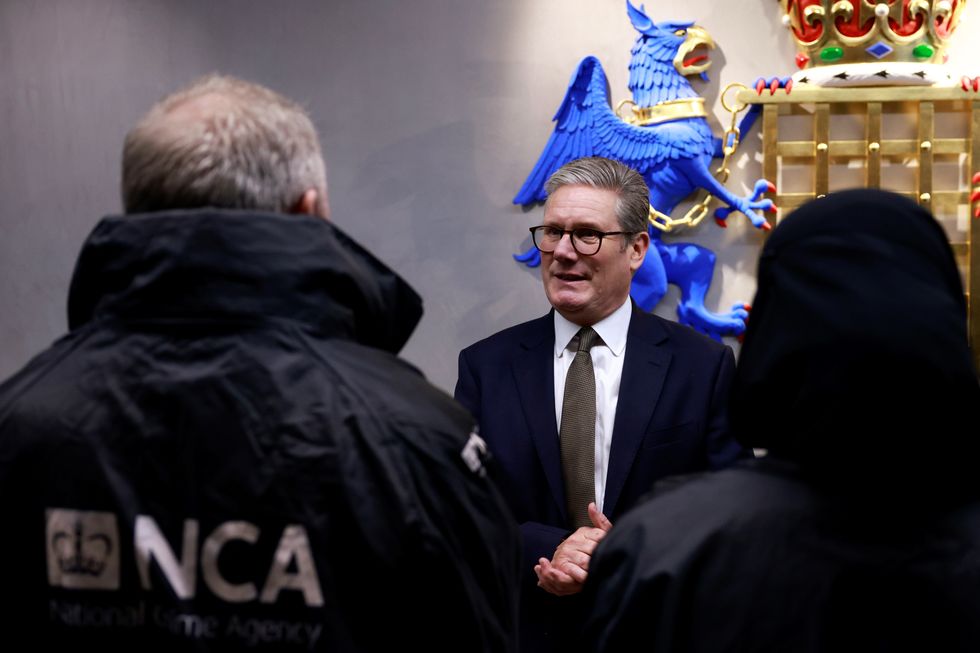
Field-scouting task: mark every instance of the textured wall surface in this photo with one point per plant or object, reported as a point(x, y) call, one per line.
point(431, 113)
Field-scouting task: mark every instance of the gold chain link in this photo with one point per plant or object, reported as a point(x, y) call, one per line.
point(697, 213)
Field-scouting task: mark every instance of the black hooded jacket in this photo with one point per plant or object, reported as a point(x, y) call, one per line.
point(224, 453)
point(860, 531)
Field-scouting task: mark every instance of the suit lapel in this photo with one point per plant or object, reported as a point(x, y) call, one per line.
point(534, 374)
point(644, 372)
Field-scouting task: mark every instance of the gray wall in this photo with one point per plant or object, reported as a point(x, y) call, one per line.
point(431, 113)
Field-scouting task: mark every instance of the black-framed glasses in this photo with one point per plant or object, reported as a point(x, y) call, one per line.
point(585, 241)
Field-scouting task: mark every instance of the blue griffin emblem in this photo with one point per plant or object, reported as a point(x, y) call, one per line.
point(670, 144)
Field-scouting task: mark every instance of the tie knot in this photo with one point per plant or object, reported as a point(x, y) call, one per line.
point(586, 338)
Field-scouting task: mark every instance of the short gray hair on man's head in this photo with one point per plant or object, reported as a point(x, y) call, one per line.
point(222, 142)
point(633, 206)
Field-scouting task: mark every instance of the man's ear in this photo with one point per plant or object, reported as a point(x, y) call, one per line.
point(638, 250)
point(312, 202)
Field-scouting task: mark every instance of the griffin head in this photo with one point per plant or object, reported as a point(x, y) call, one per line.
point(681, 39)
point(688, 61)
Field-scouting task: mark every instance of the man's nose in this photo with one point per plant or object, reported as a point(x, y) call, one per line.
point(564, 249)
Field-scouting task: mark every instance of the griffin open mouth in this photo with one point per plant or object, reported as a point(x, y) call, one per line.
point(692, 57)
point(690, 62)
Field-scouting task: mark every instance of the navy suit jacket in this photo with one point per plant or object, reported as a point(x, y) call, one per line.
point(671, 418)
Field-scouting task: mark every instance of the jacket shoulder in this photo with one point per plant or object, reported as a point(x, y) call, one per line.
point(527, 333)
point(396, 391)
point(680, 337)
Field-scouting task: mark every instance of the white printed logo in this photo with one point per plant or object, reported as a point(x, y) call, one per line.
point(83, 553)
point(83, 549)
point(474, 453)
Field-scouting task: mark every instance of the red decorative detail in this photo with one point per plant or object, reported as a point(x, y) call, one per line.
point(766, 226)
point(862, 19)
point(975, 195)
point(721, 223)
point(802, 60)
point(808, 32)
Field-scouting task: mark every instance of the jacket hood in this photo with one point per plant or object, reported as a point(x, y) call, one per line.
point(856, 362)
point(222, 264)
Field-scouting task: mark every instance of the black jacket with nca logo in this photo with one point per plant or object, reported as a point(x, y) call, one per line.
point(224, 453)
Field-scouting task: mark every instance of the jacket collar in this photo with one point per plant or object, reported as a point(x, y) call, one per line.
point(212, 264)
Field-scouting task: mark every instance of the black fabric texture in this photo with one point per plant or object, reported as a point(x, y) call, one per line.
point(860, 530)
point(856, 364)
point(235, 367)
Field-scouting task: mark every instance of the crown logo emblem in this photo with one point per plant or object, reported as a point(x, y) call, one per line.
point(78, 553)
point(83, 551)
point(831, 32)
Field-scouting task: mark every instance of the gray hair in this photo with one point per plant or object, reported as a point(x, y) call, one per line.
point(222, 142)
point(633, 205)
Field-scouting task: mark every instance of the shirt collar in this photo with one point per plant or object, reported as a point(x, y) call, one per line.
point(612, 329)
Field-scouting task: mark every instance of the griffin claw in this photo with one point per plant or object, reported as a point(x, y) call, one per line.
point(724, 225)
point(773, 84)
point(771, 187)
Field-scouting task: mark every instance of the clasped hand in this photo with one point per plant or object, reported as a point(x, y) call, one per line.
point(567, 570)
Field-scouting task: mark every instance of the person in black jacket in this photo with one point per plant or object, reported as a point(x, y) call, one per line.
point(859, 531)
point(224, 452)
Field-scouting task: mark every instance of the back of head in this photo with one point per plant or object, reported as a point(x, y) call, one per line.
point(226, 143)
point(856, 361)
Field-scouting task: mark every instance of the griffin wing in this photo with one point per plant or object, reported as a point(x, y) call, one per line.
point(587, 126)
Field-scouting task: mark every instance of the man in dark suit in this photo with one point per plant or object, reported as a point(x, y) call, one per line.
point(586, 407)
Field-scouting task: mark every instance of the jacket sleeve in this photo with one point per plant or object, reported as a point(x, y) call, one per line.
point(471, 551)
point(468, 388)
point(538, 539)
point(624, 599)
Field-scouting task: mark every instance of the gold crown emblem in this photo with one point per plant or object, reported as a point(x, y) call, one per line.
point(848, 31)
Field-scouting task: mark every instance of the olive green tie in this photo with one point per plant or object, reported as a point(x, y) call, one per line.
point(577, 431)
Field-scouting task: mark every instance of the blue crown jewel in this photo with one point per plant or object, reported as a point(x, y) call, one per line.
point(87, 555)
point(880, 49)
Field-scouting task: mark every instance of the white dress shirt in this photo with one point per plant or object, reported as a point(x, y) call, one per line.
point(607, 363)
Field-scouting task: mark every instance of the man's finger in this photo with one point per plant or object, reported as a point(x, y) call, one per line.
point(599, 520)
point(575, 573)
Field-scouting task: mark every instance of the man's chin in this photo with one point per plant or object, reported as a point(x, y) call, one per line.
point(571, 308)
